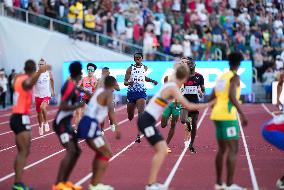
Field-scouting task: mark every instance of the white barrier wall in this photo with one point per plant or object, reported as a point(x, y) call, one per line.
point(19, 42)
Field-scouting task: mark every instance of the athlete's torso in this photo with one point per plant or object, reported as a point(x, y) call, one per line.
point(42, 86)
point(191, 86)
point(138, 77)
point(223, 108)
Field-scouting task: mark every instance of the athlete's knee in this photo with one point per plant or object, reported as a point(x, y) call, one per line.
point(43, 106)
point(105, 154)
point(130, 117)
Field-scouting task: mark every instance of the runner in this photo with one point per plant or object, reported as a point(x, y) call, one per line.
point(135, 79)
point(88, 84)
point(148, 119)
point(89, 128)
point(193, 90)
point(224, 115)
point(62, 126)
point(100, 84)
point(42, 96)
point(20, 121)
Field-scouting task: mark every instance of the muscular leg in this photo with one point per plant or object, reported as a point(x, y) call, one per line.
point(172, 129)
point(164, 121)
point(99, 164)
point(140, 104)
point(194, 118)
point(219, 161)
point(69, 161)
point(39, 118)
point(43, 107)
point(233, 146)
point(130, 110)
point(23, 142)
point(157, 161)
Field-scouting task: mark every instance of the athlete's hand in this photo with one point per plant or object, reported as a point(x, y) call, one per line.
point(200, 93)
point(244, 120)
point(130, 83)
point(117, 132)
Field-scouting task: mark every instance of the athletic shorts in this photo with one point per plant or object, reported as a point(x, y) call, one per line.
point(146, 125)
point(89, 128)
point(64, 130)
point(273, 132)
point(20, 123)
point(38, 102)
point(227, 130)
point(185, 114)
point(132, 97)
point(172, 109)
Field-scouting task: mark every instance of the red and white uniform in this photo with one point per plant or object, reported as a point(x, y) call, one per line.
point(42, 90)
point(88, 85)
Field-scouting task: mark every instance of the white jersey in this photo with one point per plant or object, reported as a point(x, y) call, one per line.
point(94, 109)
point(42, 86)
point(157, 104)
point(138, 75)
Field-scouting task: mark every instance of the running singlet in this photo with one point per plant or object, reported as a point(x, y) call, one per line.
point(22, 98)
point(86, 83)
point(94, 110)
point(42, 86)
point(224, 109)
point(138, 77)
point(69, 94)
point(157, 104)
point(191, 86)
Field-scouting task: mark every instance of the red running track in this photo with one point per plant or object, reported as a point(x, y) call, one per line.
point(129, 168)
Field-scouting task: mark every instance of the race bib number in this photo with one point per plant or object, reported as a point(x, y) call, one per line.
point(231, 132)
point(64, 137)
point(99, 142)
point(220, 85)
point(25, 120)
point(149, 131)
point(191, 90)
point(92, 129)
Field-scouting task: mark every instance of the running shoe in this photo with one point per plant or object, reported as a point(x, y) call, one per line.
point(234, 187)
point(192, 149)
point(71, 185)
point(46, 127)
point(280, 184)
point(169, 150)
point(61, 186)
point(20, 186)
point(112, 128)
point(220, 187)
point(138, 140)
point(100, 186)
point(156, 186)
point(40, 129)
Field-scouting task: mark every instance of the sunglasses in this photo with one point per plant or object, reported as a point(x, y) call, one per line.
point(137, 57)
point(91, 70)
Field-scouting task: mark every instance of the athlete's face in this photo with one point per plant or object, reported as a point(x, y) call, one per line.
point(105, 72)
point(41, 63)
point(138, 59)
point(91, 71)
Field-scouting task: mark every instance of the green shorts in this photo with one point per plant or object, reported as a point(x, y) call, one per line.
point(227, 130)
point(172, 109)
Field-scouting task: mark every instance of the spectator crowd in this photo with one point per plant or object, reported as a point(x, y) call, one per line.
point(204, 29)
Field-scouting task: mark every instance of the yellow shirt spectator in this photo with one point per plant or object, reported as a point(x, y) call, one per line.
point(90, 20)
point(75, 11)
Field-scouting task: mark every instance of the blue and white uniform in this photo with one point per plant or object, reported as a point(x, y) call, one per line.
point(138, 89)
point(95, 114)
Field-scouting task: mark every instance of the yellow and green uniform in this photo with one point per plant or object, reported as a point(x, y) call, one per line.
point(224, 113)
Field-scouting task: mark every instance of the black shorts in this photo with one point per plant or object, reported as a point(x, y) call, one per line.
point(20, 123)
point(64, 130)
point(146, 125)
point(185, 114)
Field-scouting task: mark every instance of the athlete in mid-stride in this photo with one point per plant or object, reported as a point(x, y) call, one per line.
point(70, 101)
point(148, 119)
point(135, 79)
point(99, 107)
point(224, 114)
point(20, 120)
point(193, 90)
point(42, 95)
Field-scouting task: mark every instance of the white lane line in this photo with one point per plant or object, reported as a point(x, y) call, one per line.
point(267, 110)
point(32, 116)
point(36, 124)
point(251, 169)
point(50, 156)
point(40, 137)
point(88, 176)
point(173, 171)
